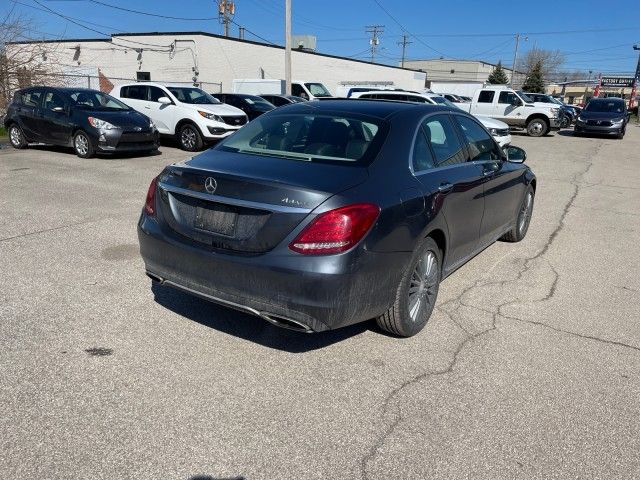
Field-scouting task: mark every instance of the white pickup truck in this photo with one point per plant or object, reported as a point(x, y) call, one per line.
point(515, 109)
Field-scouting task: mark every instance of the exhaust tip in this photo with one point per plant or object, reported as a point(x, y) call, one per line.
point(287, 323)
point(155, 278)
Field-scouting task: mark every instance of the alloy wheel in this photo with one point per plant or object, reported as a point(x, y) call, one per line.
point(188, 138)
point(423, 287)
point(525, 214)
point(536, 128)
point(81, 144)
point(15, 135)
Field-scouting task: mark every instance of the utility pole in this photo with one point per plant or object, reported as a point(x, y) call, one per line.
point(515, 59)
point(287, 46)
point(374, 30)
point(226, 10)
point(636, 80)
point(405, 41)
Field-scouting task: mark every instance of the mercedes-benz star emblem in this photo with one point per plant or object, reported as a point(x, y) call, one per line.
point(210, 184)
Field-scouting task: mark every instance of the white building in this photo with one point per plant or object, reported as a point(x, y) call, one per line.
point(204, 58)
point(462, 77)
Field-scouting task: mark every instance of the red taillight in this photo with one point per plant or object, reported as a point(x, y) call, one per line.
point(336, 230)
point(150, 202)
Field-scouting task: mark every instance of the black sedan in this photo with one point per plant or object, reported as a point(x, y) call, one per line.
point(318, 216)
point(281, 100)
point(603, 116)
point(252, 105)
point(87, 120)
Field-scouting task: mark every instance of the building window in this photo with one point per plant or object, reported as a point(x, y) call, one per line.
point(143, 76)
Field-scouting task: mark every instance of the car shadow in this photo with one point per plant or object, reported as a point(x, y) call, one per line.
point(565, 133)
point(99, 155)
point(248, 327)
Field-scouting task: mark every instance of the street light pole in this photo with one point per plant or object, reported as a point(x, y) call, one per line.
point(287, 47)
point(636, 79)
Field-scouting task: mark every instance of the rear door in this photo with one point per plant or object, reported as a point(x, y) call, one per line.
point(502, 190)
point(451, 183)
point(29, 113)
point(485, 103)
point(55, 125)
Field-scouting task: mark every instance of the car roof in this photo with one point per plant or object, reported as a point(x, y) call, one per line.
point(607, 99)
point(373, 108)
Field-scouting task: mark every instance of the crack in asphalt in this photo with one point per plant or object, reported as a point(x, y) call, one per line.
point(459, 302)
point(28, 234)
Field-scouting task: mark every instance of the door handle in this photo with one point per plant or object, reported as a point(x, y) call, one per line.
point(445, 187)
point(147, 107)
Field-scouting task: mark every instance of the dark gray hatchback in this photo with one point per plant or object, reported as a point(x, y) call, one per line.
point(317, 216)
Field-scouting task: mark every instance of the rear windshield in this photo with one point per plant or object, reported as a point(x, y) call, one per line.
point(310, 137)
point(605, 106)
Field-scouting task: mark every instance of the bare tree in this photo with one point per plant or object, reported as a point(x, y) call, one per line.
point(550, 62)
point(23, 58)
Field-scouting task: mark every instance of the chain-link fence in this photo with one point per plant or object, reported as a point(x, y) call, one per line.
point(11, 81)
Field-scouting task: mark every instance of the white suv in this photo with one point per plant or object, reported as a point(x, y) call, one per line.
point(498, 130)
point(188, 113)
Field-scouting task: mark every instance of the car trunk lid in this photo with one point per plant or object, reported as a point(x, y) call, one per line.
point(246, 203)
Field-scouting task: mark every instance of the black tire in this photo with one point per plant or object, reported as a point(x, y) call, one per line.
point(16, 137)
point(416, 294)
point(83, 145)
point(537, 127)
point(621, 134)
point(565, 122)
point(189, 138)
point(519, 230)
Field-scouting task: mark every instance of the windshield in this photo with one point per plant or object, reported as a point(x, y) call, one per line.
point(524, 97)
point(258, 102)
point(444, 101)
point(609, 106)
point(308, 137)
point(92, 100)
point(192, 95)
point(317, 89)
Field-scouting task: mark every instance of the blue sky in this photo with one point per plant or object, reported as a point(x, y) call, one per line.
point(593, 35)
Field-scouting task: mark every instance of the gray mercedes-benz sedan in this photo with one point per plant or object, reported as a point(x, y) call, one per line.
point(323, 214)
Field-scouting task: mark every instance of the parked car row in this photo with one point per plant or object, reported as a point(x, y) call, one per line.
point(132, 118)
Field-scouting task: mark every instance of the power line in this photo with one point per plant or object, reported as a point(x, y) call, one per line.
point(405, 30)
point(149, 14)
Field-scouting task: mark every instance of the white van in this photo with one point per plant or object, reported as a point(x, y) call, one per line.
point(309, 90)
point(190, 114)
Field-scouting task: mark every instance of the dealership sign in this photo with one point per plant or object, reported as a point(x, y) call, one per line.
point(617, 81)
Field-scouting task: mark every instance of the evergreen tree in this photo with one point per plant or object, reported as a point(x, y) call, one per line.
point(498, 76)
point(534, 82)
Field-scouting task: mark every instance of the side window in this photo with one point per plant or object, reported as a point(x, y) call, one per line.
point(134, 92)
point(481, 145)
point(52, 100)
point(31, 98)
point(486, 96)
point(296, 90)
point(507, 97)
point(444, 140)
point(422, 156)
point(156, 93)
point(416, 99)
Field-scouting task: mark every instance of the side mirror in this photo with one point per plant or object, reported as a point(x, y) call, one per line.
point(515, 154)
point(165, 101)
point(57, 109)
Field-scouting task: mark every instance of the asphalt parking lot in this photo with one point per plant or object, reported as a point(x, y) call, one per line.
point(529, 367)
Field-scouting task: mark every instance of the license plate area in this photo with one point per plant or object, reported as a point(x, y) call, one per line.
point(218, 219)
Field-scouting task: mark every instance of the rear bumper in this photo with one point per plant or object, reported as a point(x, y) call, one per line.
point(307, 293)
